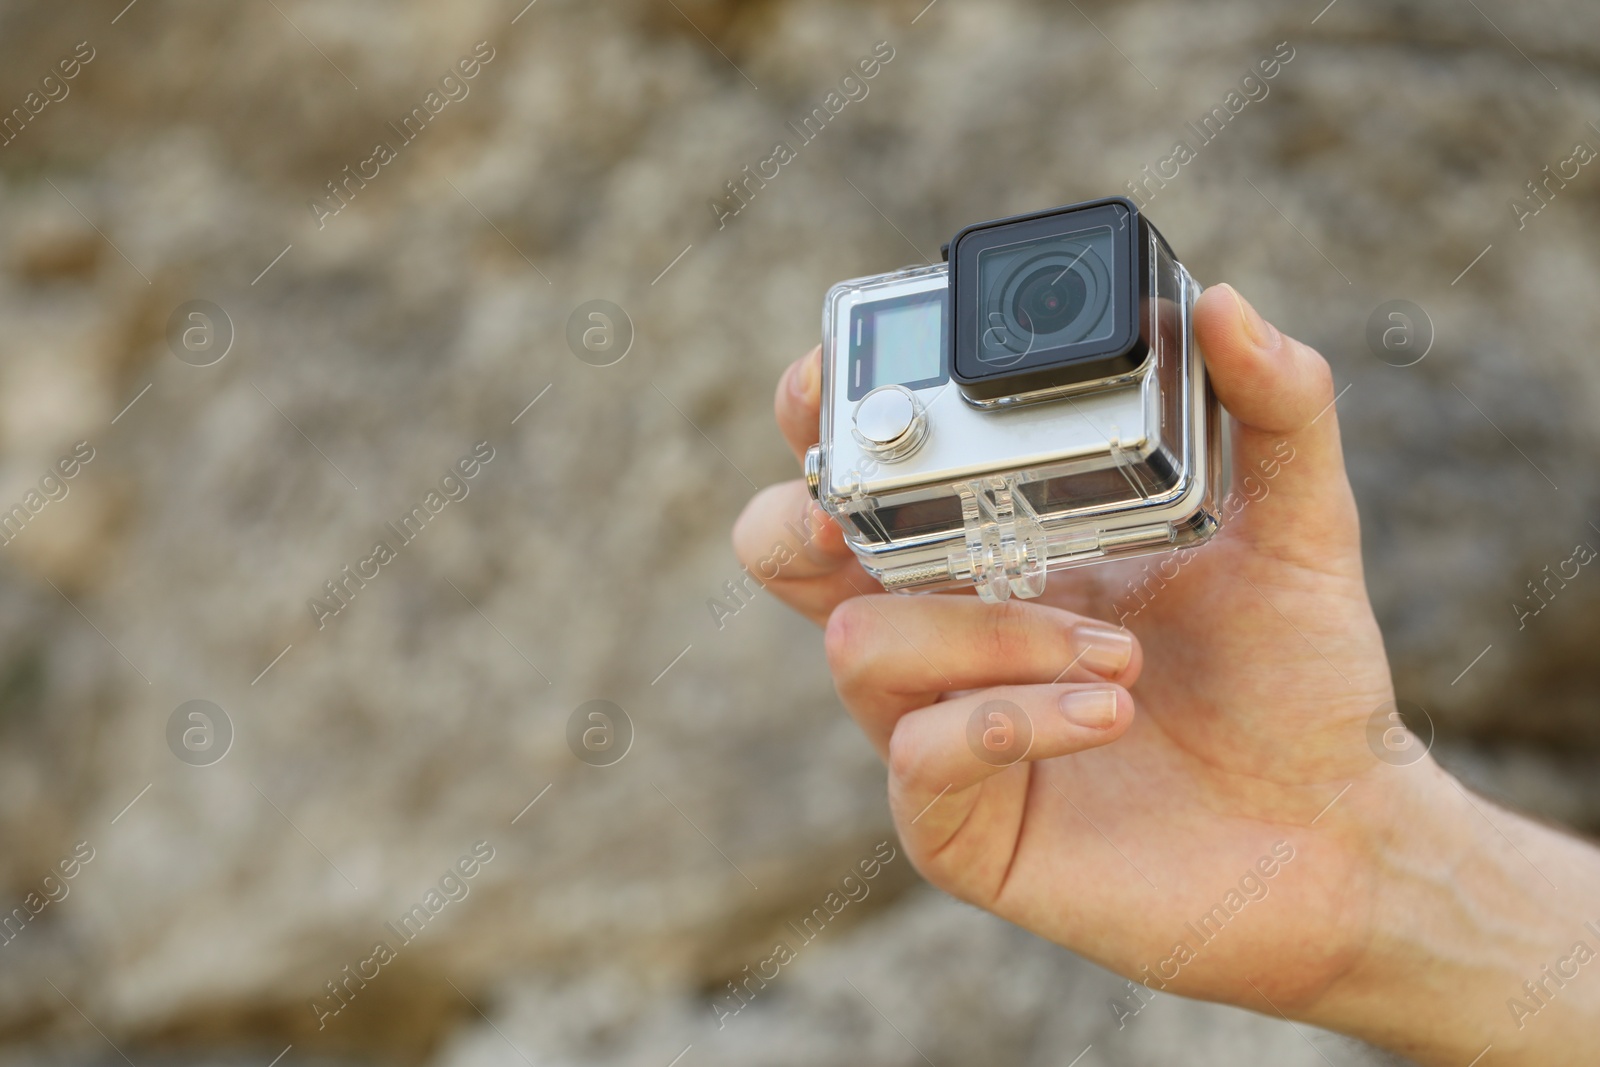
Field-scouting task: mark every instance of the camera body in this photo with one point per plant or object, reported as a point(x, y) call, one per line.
point(1038, 403)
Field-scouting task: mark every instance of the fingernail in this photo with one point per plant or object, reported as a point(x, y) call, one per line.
point(1104, 650)
point(1092, 708)
point(1263, 333)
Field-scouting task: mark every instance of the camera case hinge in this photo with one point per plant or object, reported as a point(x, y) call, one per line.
point(1005, 543)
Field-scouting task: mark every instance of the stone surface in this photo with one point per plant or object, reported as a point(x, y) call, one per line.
point(369, 754)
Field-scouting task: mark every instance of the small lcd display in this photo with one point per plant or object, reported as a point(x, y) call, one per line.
point(906, 345)
point(898, 342)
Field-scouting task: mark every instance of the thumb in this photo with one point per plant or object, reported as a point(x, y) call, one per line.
point(939, 756)
point(1290, 492)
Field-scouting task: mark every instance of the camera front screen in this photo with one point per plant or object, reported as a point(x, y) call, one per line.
point(897, 342)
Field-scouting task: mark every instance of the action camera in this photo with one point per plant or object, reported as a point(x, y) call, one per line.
point(1037, 403)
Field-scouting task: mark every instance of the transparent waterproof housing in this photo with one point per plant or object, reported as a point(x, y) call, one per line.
point(937, 490)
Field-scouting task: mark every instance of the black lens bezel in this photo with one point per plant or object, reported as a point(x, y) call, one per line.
point(1121, 354)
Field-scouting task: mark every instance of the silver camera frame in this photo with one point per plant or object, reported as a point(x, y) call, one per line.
point(1008, 491)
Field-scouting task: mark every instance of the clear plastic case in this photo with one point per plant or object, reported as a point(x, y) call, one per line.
point(995, 497)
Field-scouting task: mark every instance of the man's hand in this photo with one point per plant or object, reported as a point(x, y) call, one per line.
point(1239, 839)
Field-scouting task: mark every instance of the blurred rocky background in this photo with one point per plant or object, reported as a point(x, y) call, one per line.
point(372, 349)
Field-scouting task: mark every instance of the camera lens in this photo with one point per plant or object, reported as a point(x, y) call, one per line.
point(1049, 300)
point(1042, 295)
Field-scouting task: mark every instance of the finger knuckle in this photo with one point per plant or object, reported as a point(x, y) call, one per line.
point(1004, 633)
point(906, 759)
point(847, 639)
point(1024, 634)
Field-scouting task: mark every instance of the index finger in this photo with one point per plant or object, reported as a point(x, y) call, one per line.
point(799, 553)
point(798, 403)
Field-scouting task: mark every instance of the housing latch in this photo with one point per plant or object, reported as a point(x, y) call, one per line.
point(1005, 543)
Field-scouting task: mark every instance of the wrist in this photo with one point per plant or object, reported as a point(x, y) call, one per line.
point(1468, 903)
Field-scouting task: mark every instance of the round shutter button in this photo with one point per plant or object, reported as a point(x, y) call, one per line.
point(890, 422)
